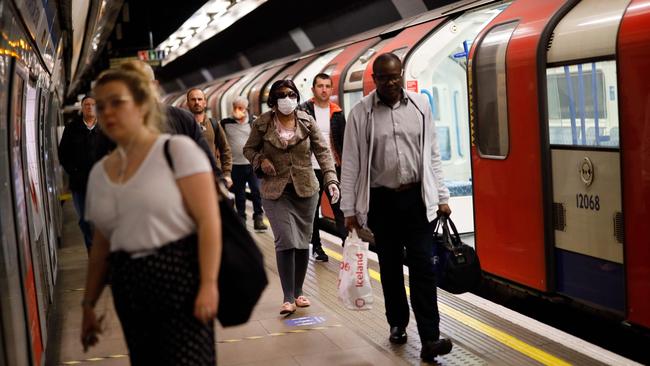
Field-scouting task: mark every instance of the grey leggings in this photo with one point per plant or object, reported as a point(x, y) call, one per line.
point(292, 267)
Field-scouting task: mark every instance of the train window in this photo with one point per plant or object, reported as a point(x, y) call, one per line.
point(354, 75)
point(350, 99)
point(357, 75)
point(435, 104)
point(580, 113)
point(444, 142)
point(492, 107)
point(304, 79)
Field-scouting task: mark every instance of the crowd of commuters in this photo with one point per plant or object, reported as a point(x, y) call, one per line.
point(142, 176)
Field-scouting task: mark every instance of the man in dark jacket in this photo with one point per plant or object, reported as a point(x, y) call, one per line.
point(83, 143)
point(331, 122)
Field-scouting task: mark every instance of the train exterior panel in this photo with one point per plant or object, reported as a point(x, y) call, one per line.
point(31, 77)
point(508, 191)
point(337, 67)
point(633, 58)
point(400, 46)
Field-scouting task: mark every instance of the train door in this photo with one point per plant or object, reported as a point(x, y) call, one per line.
point(214, 102)
point(437, 68)
point(208, 91)
point(633, 62)
point(338, 66)
point(254, 84)
point(254, 94)
point(230, 94)
point(252, 89)
point(287, 73)
point(179, 100)
point(304, 79)
point(15, 335)
point(353, 78)
point(504, 77)
point(583, 145)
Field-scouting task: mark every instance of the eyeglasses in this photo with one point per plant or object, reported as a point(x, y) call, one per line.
point(291, 94)
point(387, 78)
point(114, 103)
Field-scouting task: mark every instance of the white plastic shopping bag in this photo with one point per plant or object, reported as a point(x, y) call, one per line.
point(354, 288)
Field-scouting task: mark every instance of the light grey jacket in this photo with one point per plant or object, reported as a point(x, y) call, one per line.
point(357, 153)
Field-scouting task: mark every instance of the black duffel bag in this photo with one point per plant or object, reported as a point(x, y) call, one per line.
point(242, 278)
point(458, 269)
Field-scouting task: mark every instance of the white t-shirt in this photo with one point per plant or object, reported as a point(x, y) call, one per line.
point(147, 210)
point(323, 122)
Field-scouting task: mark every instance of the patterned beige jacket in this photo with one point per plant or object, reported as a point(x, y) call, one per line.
point(292, 161)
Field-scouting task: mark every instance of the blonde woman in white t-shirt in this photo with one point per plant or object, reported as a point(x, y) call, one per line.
point(156, 227)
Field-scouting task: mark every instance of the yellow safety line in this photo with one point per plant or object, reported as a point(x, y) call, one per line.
point(93, 359)
point(65, 196)
point(494, 333)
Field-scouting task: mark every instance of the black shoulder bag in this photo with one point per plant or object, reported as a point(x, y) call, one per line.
point(241, 277)
point(458, 269)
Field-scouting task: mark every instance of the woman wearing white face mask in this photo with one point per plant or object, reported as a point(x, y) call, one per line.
point(279, 147)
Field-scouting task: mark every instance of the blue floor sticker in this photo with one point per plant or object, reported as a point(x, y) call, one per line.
point(305, 320)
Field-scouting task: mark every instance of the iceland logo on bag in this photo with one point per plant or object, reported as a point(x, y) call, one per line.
point(360, 271)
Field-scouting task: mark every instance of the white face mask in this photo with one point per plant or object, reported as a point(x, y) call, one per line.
point(287, 105)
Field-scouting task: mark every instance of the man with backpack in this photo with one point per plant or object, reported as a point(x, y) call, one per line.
point(212, 132)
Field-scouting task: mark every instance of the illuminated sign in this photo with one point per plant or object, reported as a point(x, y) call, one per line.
point(151, 55)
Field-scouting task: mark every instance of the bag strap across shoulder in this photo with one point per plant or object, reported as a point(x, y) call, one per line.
point(221, 188)
point(168, 155)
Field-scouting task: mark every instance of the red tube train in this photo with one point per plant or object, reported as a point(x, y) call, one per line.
point(542, 110)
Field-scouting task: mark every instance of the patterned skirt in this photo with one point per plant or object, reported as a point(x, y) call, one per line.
point(154, 299)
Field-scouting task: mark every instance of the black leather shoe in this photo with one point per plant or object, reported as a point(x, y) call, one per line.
point(431, 349)
point(397, 335)
point(320, 255)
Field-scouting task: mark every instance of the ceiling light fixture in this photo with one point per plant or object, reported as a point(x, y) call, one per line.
point(213, 17)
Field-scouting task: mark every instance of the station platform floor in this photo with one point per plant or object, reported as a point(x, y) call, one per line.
point(326, 333)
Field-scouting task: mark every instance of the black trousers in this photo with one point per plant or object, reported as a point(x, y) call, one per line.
point(154, 300)
point(341, 231)
point(242, 174)
point(398, 220)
